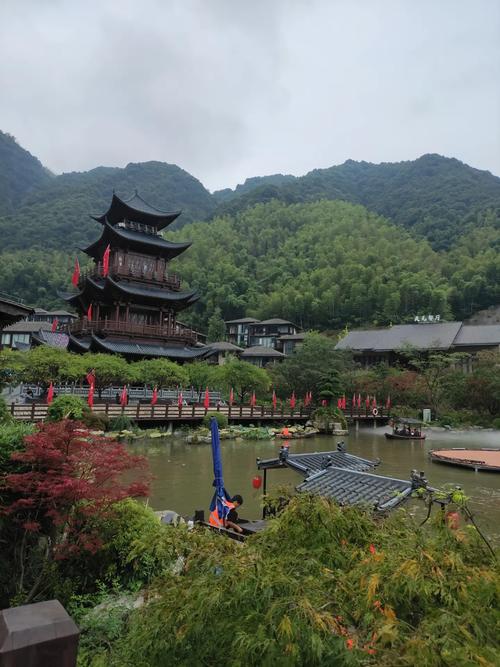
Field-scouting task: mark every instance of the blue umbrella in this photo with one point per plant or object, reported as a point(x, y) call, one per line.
point(221, 496)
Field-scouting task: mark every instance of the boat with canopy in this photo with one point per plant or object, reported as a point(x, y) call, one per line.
point(406, 428)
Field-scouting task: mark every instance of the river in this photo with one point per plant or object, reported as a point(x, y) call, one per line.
point(183, 473)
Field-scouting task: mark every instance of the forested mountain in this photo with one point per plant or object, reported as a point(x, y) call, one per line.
point(322, 264)
point(251, 184)
point(20, 173)
point(57, 214)
point(437, 198)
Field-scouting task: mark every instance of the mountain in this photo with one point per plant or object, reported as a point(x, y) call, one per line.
point(251, 184)
point(20, 173)
point(56, 215)
point(435, 197)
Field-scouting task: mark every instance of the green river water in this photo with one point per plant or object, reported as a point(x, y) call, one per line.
point(183, 473)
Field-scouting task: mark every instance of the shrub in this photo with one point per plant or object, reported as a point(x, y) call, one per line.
point(221, 419)
point(329, 414)
point(5, 415)
point(323, 585)
point(67, 407)
point(121, 423)
point(95, 421)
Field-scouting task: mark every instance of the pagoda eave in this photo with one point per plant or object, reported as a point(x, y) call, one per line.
point(138, 210)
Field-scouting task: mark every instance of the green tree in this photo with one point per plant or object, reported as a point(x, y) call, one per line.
point(159, 372)
point(244, 378)
point(202, 374)
point(108, 369)
point(216, 326)
point(314, 366)
point(45, 364)
point(435, 371)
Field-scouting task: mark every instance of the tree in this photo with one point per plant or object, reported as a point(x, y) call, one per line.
point(45, 364)
point(202, 374)
point(108, 369)
point(12, 364)
point(216, 326)
point(72, 477)
point(159, 372)
point(243, 378)
point(435, 370)
point(314, 366)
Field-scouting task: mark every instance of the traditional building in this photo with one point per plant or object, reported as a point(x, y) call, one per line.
point(375, 346)
point(129, 301)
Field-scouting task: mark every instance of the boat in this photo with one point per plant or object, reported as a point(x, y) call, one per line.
point(406, 428)
point(476, 459)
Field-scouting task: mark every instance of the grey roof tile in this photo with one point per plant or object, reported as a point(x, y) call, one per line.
point(351, 487)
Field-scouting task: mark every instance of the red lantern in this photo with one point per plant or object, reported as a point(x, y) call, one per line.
point(452, 520)
point(257, 482)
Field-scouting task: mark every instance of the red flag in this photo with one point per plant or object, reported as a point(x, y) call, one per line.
point(50, 394)
point(54, 325)
point(367, 402)
point(180, 400)
point(339, 403)
point(90, 397)
point(306, 399)
point(292, 400)
point(324, 402)
point(89, 313)
point(124, 396)
point(343, 402)
point(105, 261)
point(354, 400)
point(359, 400)
point(231, 396)
point(388, 402)
point(76, 273)
point(274, 400)
point(154, 397)
point(206, 400)
point(374, 402)
point(253, 400)
point(90, 377)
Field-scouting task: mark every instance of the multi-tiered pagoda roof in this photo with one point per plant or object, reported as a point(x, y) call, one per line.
point(129, 301)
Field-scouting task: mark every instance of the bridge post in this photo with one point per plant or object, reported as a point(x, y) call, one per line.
point(33, 411)
point(12, 408)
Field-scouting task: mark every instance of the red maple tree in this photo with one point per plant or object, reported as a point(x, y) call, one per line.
point(71, 478)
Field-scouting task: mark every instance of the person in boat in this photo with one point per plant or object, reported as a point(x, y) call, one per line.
point(232, 517)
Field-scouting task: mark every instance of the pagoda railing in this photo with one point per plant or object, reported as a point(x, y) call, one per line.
point(171, 280)
point(124, 328)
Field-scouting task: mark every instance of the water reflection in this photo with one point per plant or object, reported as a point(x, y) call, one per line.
point(184, 472)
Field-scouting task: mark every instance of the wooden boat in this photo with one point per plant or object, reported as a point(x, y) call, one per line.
point(476, 459)
point(406, 429)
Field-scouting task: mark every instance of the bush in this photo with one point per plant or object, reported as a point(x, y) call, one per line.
point(221, 419)
point(95, 421)
point(329, 414)
point(67, 407)
point(5, 415)
point(496, 423)
point(121, 423)
point(323, 585)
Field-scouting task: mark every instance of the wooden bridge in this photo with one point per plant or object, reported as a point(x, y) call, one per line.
point(164, 413)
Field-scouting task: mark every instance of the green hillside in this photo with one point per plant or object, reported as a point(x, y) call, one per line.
point(20, 173)
point(319, 265)
point(56, 216)
point(432, 196)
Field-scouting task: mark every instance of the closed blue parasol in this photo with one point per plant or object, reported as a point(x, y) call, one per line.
point(219, 507)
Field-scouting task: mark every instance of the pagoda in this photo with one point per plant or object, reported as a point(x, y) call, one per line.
point(129, 301)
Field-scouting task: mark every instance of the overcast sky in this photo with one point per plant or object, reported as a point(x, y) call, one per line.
point(228, 89)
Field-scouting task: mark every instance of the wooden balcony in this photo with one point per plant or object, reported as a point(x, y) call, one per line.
point(170, 280)
point(122, 328)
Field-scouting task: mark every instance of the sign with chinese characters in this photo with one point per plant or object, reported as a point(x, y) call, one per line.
point(425, 319)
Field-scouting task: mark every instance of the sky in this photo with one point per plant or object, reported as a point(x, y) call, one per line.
point(229, 89)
